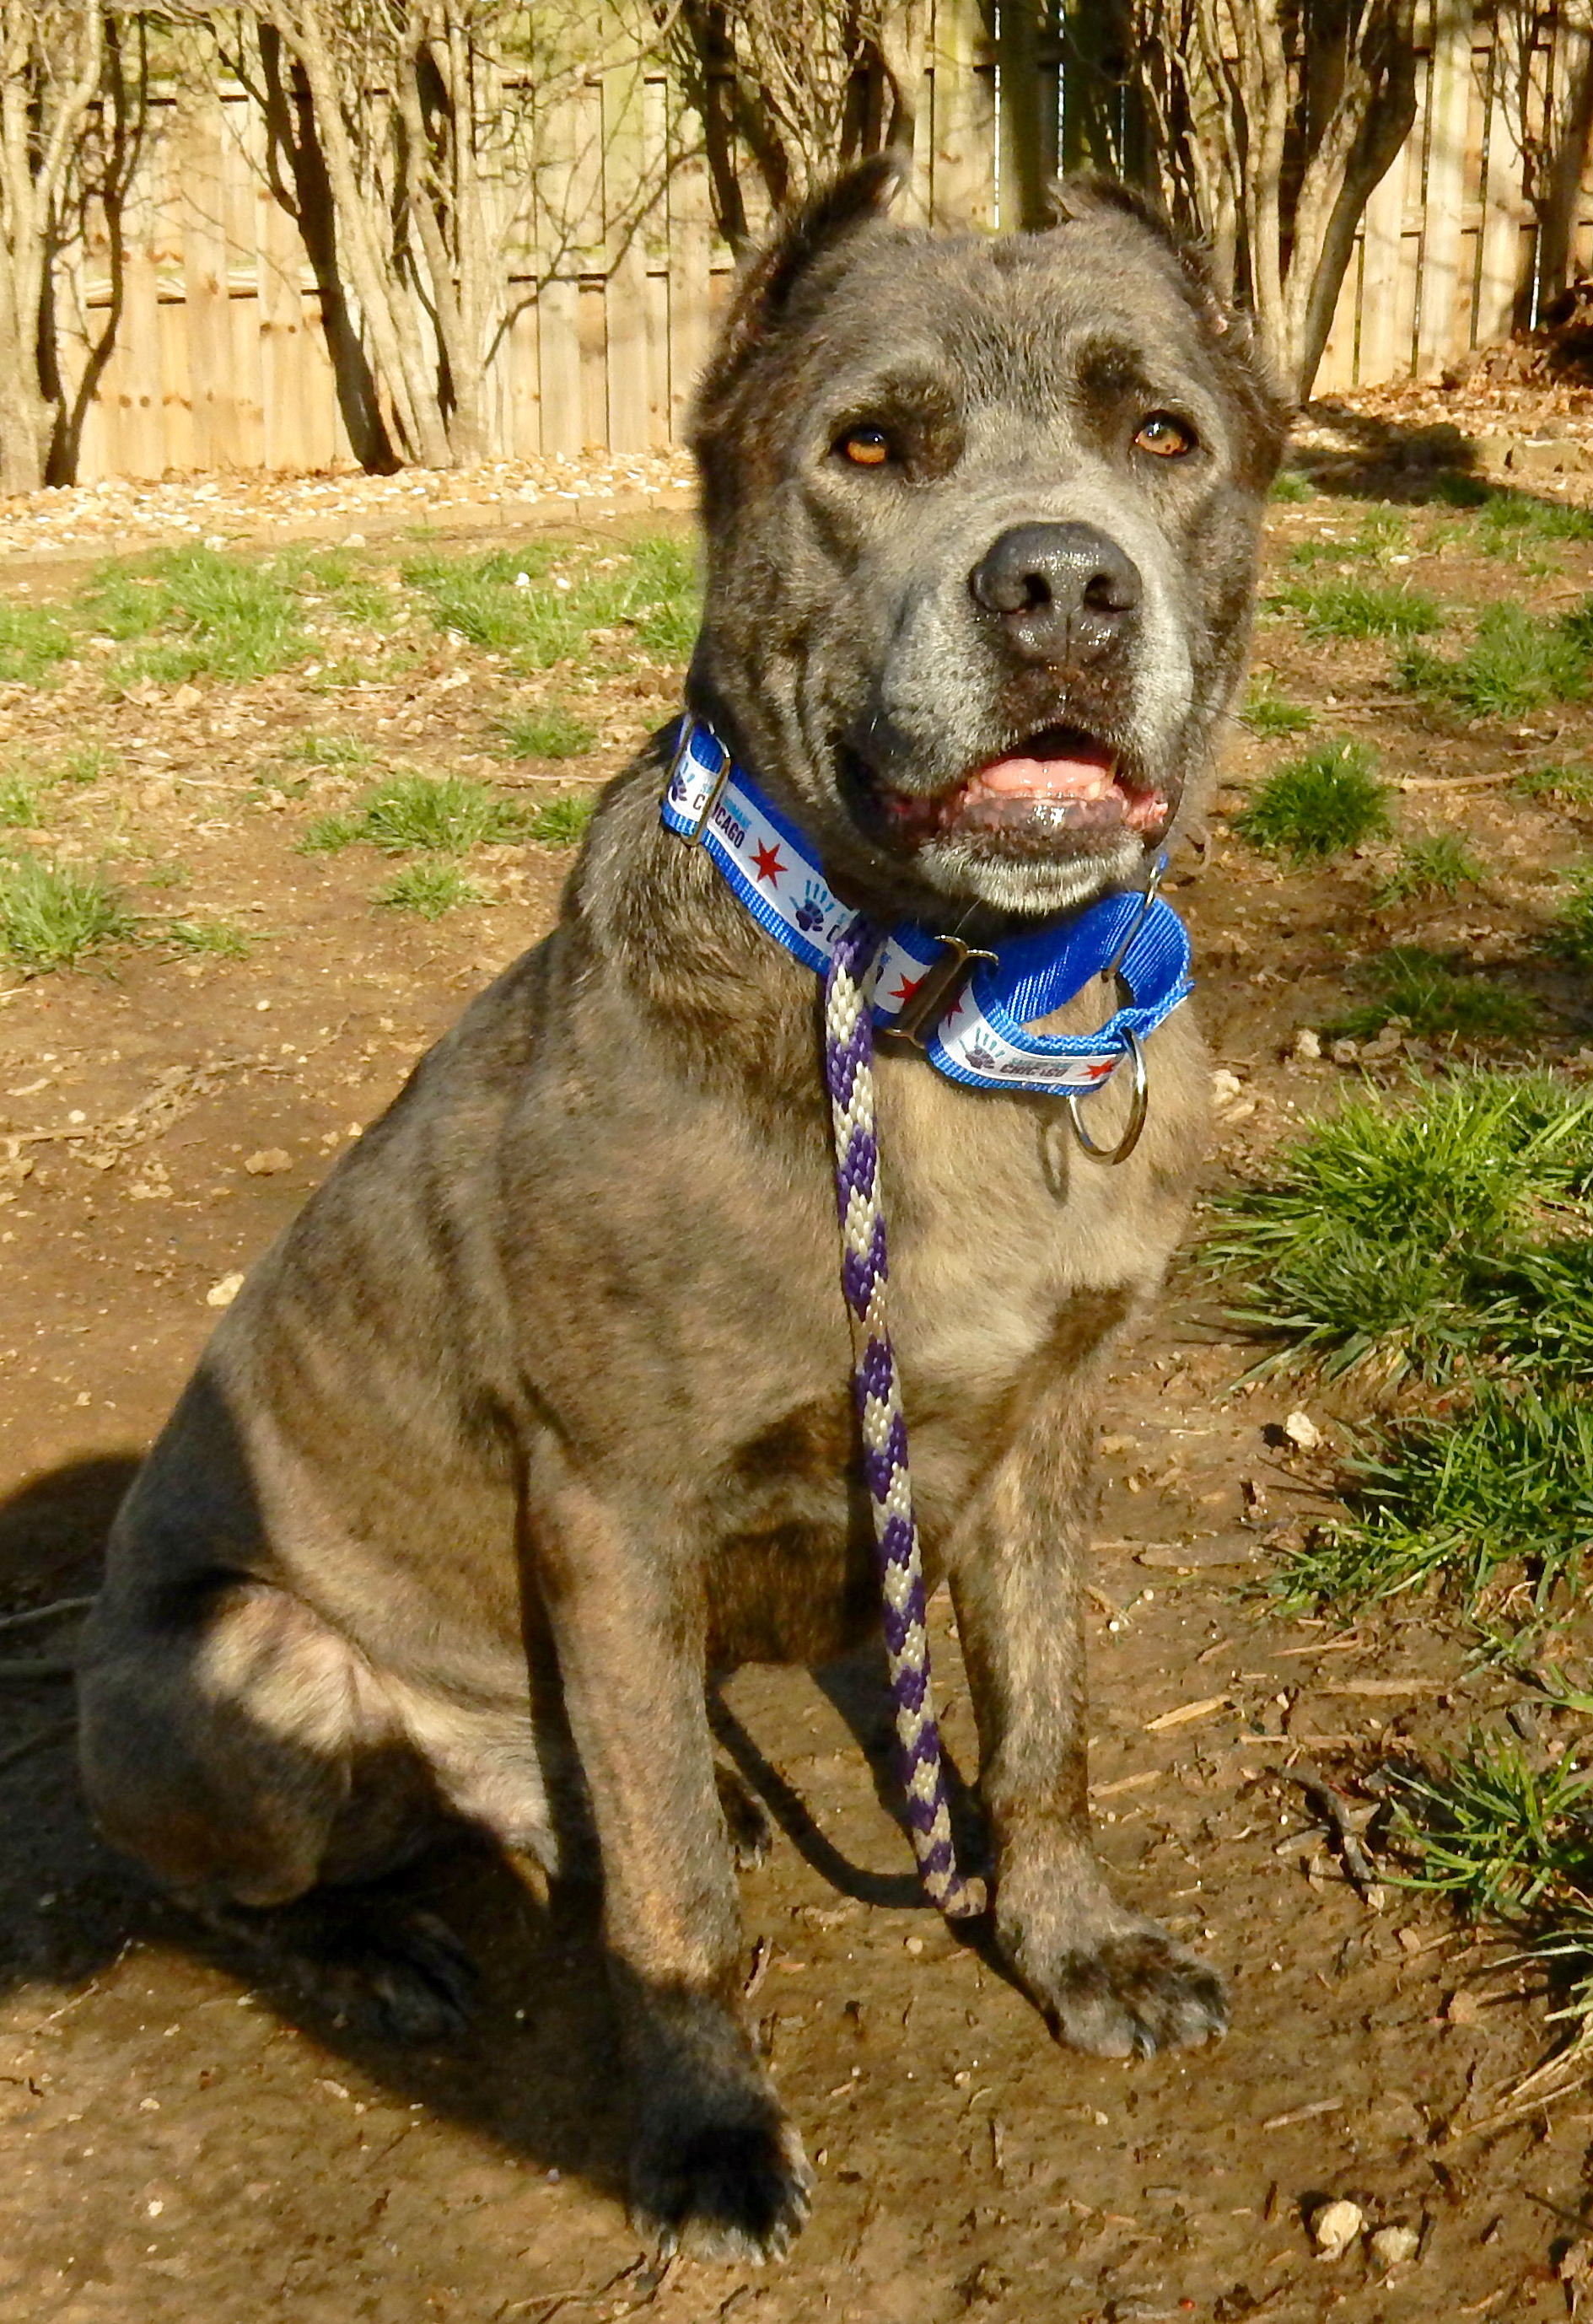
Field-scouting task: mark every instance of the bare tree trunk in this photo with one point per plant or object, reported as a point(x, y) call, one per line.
point(51, 62)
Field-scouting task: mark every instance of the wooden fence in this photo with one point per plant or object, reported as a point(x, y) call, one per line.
point(218, 358)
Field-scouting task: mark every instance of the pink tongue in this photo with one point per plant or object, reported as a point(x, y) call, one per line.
point(1083, 774)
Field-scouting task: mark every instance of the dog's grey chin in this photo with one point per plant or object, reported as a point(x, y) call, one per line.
point(1036, 887)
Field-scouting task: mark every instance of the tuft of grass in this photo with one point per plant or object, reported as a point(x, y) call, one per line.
point(550, 732)
point(1571, 932)
point(447, 815)
point(1316, 806)
point(51, 914)
point(1271, 714)
point(1467, 1500)
point(219, 938)
point(1515, 664)
point(1457, 488)
point(560, 822)
point(202, 614)
point(428, 889)
point(1362, 609)
point(1420, 990)
point(1496, 1833)
point(1290, 485)
point(19, 802)
point(326, 751)
point(1559, 786)
point(1386, 1235)
point(509, 603)
point(1438, 866)
point(86, 764)
point(31, 642)
point(1515, 524)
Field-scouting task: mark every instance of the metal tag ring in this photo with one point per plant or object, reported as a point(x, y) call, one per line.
point(1138, 1107)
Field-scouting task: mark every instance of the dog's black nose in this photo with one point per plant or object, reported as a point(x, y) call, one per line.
point(1057, 588)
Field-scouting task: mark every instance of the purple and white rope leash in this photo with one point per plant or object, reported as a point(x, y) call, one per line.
point(848, 1075)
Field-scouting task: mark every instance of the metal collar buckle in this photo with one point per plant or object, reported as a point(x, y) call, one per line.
point(935, 988)
point(1139, 1094)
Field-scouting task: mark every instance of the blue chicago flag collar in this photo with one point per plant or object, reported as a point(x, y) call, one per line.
point(970, 1011)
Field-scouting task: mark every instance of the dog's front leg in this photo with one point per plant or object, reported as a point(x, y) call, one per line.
point(713, 2153)
point(1109, 1981)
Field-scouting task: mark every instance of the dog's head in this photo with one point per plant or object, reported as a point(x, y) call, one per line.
point(981, 521)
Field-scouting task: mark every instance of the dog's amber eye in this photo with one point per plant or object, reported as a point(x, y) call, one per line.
point(1168, 437)
point(865, 447)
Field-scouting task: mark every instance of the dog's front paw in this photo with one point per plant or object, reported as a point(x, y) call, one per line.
point(1109, 1981)
point(735, 2189)
point(1134, 1991)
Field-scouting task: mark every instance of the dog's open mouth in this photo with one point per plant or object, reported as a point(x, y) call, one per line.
point(1061, 784)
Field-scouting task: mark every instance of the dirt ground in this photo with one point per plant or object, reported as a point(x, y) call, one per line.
point(182, 2142)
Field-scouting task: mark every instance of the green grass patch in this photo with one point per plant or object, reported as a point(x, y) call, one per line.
point(1362, 609)
point(1431, 868)
point(549, 733)
point(446, 814)
point(1515, 664)
point(1271, 714)
point(1515, 524)
point(560, 822)
point(194, 613)
point(1499, 1491)
point(1388, 1234)
point(220, 938)
point(1424, 993)
point(429, 889)
point(19, 803)
point(31, 642)
point(1316, 806)
point(51, 914)
point(512, 604)
point(1555, 785)
point(86, 764)
point(326, 751)
point(1289, 486)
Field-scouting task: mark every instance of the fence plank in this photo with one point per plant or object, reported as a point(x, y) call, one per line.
point(630, 415)
point(1450, 85)
point(964, 186)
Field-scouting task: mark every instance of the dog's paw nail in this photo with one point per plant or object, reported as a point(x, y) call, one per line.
point(737, 2192)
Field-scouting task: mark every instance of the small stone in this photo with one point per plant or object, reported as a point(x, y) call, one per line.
point(223, 1294)
point(1385, 1043)
point(1391, 2247)
point(269, 1163)
point(186, 698)
point(1302, 1432)
point(1344, 1053)
point(1409, 1941)
point(1462, 2008)
point(1308, 1045)
point(913, 1944)
point(1575, 2262)
point(1335, 2226)
point(353, 540)
point(1225, 1086)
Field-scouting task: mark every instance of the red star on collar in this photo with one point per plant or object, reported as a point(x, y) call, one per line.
point(905, 989)
point(1099, 1072)
point(768, 859)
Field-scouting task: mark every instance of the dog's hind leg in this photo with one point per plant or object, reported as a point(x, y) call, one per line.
point(712, 2155)
point(233, 1741)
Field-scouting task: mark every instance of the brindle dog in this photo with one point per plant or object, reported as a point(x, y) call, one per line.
point(540, 1412)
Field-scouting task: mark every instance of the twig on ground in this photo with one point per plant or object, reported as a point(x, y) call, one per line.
point(1322, 1794)
point(52, 1733)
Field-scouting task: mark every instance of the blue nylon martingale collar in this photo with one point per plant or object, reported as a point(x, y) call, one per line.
point(975, 1029)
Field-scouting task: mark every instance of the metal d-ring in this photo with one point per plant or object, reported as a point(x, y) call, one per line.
point(1138, 1107)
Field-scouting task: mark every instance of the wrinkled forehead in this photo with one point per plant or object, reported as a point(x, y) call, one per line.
point(1093, 310)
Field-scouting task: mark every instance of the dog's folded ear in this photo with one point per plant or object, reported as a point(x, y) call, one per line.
point(800, 237)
